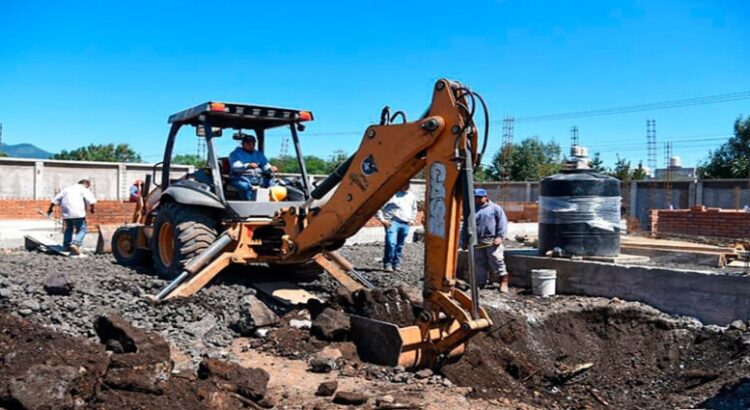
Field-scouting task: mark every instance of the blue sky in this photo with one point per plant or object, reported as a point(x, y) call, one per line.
point(74, 73)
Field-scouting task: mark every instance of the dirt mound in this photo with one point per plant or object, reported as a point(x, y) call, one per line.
point(619, 354)
point(44, 369)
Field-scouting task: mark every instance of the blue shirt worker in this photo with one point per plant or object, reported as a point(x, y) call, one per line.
point(396, 215)
point(492, 227)
point(250, 168)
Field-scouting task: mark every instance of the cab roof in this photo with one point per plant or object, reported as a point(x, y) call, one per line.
point(240, 116)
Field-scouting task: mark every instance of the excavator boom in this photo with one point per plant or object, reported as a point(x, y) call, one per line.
point(443, 143)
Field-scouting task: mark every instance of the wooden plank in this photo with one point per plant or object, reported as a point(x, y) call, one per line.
point(285, 292)
point(33, 242)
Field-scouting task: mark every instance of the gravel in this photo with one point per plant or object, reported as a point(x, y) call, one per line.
point(196, 325)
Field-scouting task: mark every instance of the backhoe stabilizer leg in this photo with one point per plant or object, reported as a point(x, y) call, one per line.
point(199, 279)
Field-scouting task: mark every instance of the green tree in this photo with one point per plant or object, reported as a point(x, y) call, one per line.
point(189, 159)
point(597, 164)
point(639, 173)
point(531, 160)
point(337, 158)
point(732, 159)
point(621, 170)
point(3, 154)
point(103, 152)
point(314, 165)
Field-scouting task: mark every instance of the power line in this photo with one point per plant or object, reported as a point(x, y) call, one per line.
point(624, 109)
point(687, 102)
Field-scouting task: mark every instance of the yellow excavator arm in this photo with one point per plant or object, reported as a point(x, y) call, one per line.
point(443, 143)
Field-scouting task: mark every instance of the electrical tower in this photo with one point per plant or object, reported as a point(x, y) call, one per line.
point(284, 151)
point(505, 157)
point(574, 136)
point(201, 148)
point(651, 141)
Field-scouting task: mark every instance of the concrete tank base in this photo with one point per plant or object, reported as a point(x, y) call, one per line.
point(709, 297)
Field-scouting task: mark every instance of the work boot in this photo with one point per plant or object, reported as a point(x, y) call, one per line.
point(504, 283)
point(74, 250)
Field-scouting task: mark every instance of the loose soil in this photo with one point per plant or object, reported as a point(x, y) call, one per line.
point(536, 355)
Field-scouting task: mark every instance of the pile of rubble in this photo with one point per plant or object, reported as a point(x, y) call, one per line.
point(128, 369)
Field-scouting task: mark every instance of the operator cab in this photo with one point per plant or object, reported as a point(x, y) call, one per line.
point(210, 186)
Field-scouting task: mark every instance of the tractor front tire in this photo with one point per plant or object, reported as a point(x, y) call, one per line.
point(125, 249)
point(181, 232)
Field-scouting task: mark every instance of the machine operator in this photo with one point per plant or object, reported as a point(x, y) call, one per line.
point(250, 168)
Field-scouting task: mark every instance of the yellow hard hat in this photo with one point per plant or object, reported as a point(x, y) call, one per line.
point(278, 193)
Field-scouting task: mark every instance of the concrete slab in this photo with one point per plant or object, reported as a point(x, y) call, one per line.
point(12, 233)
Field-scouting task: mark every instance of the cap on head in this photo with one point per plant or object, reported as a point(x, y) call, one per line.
point(245, 137)
point(480, 192)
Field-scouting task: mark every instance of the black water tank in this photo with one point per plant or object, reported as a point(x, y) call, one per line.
point(579, 212)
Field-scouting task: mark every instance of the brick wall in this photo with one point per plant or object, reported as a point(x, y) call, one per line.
point(106, 212)
point(701, 221)
point(521, 211)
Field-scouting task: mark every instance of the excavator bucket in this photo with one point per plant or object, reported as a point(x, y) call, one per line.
point(387, 344)
point(104, 242)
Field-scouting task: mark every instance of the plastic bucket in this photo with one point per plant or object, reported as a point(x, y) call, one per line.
point(543, 282)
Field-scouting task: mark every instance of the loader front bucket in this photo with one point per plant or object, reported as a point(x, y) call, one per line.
point(387, 344)
point(104, 242)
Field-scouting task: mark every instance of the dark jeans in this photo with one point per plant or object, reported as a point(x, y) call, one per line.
point(395, 236)
point(77, 224)
point(245, 185)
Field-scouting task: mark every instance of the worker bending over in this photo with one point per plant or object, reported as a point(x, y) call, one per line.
point(73, 201)
point(396, 215)
point(492, 227)
point(250, 168)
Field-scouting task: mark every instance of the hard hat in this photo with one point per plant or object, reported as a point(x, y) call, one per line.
point(480, 192)
point(277, 193)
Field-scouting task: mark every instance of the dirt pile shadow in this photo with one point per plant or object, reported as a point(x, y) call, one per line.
point(622, 355)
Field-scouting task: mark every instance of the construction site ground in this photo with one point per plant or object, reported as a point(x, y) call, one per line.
point(558, 352)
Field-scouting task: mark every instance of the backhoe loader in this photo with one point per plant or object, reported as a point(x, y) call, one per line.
point(193, 229)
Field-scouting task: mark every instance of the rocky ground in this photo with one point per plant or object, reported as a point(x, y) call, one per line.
point(561, 352)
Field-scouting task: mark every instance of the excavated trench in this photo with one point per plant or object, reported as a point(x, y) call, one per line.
point(617, 354)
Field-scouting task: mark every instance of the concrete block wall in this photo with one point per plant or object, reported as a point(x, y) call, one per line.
point(24, 178)
point(106, 212)
point(711, 298)
point(701, 221)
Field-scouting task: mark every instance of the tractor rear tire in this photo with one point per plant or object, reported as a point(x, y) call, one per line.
point(181, 232)
point(125, 250)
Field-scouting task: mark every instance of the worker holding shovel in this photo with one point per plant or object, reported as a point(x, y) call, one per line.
point(74, 200)
point(492, 227)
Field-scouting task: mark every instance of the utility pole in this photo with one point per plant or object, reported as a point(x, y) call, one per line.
point(668, 175)
point(1, 137)
point(505, 157)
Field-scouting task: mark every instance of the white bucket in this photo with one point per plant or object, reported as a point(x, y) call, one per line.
point(543, 282)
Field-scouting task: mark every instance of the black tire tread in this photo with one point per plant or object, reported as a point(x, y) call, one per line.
point(195, 230)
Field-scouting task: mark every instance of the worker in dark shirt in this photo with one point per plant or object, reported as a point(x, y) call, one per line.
point(492, 227)
point(250, 168)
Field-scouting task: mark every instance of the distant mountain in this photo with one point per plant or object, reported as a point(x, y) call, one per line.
point(24, 151)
